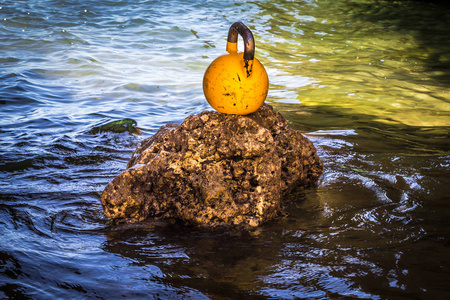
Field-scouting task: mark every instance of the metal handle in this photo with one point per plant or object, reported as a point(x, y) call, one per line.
point(249, 43)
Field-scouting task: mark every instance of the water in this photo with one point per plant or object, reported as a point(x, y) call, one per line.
point(368, 81)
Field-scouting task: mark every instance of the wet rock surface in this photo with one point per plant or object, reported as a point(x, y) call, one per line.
point(214, 170)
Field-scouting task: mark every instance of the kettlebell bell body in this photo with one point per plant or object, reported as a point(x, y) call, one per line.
point(236, 82)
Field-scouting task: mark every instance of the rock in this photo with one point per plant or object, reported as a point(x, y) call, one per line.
point(214, 169)
point(120, 126)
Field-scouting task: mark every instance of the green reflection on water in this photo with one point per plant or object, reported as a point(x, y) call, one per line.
point(387, 60)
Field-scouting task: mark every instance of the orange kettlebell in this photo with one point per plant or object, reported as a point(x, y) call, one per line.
point(236, 82)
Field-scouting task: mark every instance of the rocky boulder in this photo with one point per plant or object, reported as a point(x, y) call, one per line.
point(214, 169)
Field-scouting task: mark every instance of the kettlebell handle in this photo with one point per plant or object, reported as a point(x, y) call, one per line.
point(249, 43)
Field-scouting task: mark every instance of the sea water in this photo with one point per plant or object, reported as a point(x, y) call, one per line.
point(367, 81)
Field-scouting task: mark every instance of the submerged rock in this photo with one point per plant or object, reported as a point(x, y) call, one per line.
point(120, 126)
point(214, 169)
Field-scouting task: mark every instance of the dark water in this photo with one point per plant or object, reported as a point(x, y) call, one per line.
point(368, 81)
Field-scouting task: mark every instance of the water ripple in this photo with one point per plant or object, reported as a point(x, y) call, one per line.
point(367, 81)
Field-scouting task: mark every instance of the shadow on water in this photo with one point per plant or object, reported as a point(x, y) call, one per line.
point(217, 264)
point(400, 138)
point(427, 21)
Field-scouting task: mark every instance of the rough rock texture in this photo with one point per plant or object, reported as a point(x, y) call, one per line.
point(214, 169)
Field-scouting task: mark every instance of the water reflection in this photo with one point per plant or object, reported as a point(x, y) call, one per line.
point(216, 264)
point(367, 80)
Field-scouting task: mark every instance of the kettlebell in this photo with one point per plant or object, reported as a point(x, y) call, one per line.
point(236, 82)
